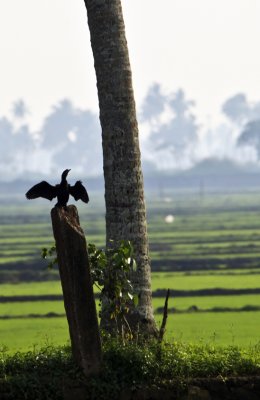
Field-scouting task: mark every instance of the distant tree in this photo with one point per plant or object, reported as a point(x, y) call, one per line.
point(175, 139)
point(247, 117)
point(181, 130)
point(17, 144)
point(7, 151)
point(154, 103)
point(240, 111)
point(72, 135)
point(20, 109)
point(124, 195)
point(24, 146)
point(236, 108)
point(250, 135)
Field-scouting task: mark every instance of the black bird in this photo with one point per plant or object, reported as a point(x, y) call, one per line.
point(62, 191)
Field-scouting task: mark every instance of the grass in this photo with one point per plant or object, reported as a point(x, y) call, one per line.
point(159, 281)
point(222, 234)
point(193, 282)
point(35, 288)
point(31, 307)
point(223, 228)
point(206, 302)
point(219, 328)
point(45, 373)
point(224, 329)
point(26, 334)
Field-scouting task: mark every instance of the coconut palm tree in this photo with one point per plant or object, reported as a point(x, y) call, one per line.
point(124, 194)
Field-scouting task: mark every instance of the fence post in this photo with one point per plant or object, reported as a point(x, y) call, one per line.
point(77, 288)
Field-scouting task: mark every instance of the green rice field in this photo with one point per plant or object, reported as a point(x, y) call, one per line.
point(222, 329)
point(214, 243)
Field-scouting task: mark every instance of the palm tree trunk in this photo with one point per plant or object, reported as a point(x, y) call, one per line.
point(124, 195)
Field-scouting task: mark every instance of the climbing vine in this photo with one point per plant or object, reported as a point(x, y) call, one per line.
point(111, 272)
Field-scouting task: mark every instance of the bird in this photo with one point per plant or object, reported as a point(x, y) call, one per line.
point(62, 191)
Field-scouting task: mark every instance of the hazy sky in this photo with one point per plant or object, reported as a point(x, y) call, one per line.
point(210, 48)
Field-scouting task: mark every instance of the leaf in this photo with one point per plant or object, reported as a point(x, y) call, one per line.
point(44, 252)
point(130, 296)
point(52, 250)
point(136, 300)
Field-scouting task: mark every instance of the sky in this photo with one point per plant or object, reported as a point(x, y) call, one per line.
point(206, 50)
point(207, 47)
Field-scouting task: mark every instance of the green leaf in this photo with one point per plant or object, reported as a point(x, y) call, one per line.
point(136, 300)
point(44, 252)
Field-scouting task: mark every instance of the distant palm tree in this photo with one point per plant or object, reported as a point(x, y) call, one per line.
point(124, 195)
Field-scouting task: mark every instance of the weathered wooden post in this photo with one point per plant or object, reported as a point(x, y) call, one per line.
point(77, 288)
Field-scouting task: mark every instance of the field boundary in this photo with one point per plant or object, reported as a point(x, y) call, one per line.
point(156, 293)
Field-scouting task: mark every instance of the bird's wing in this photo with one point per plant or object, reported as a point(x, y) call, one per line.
point(78, 191)
point(42, 189)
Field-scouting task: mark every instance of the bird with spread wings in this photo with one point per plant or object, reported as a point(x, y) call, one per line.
point(62, 191)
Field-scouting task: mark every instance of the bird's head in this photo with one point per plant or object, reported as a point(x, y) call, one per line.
point(65, 173)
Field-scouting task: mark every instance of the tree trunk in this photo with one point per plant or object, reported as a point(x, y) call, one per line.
point(77, 288)
point(124, 195)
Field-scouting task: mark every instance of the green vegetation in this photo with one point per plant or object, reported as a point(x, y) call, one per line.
point(35, 288)
point(29, 333)
point(224, 328)
point(206, 302)
point(192, 282)
point(26, 308)
point(213, 242)
point(46, 373)
point(216, 233)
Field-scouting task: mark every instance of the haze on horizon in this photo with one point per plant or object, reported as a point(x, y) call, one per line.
point(195, 53)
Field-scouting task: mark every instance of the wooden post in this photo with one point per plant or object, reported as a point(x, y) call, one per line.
point(77, 288)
